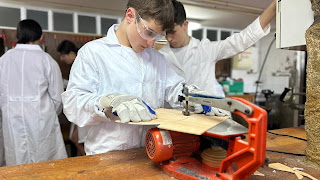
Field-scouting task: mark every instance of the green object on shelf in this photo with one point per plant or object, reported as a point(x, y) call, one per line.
point(233, 88)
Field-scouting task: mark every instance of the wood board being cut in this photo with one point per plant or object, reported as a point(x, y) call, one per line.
point(174, 120)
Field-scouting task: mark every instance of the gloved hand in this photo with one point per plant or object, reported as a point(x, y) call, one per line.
point(128, 108)
point(209, 111)
point(201, 93)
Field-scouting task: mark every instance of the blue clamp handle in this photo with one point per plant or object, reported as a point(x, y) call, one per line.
point(206, 109)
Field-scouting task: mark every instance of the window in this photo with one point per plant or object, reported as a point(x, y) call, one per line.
point(87, 24)
point(62, 22)
point(9, 16)
point(40, 16)
point(106, 23)
point(225, 34)
point(212, 35)
point(197, 34)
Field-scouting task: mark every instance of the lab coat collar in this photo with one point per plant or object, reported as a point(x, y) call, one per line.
point(172, 60)
point(193, 43)
point(111, 38)
point(28, 46)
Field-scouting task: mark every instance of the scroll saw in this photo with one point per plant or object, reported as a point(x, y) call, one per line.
point(175, 152)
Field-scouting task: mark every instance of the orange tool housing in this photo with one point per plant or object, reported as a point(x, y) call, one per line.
point(172, 151)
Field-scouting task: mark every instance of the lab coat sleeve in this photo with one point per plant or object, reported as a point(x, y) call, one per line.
point(174, 85)
point(55, 87)
point(81, 100)
point(238, 42)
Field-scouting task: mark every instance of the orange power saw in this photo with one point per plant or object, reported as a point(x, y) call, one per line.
point(175, 152)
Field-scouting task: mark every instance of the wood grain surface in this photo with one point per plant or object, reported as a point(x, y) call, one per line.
point(174, 120)
point(135, 164)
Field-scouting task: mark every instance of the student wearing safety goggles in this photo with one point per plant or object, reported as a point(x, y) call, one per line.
point(121, 77)
point(195, 60)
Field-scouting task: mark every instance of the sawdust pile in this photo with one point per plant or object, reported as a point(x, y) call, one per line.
point(312, 106)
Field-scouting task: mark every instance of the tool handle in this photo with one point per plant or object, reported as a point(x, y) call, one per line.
point(284, 93)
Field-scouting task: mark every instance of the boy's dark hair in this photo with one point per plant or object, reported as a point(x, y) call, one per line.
point(1, 46)
point(179, 13)
point(28, 31)
point(159, 10)
point(66, 46)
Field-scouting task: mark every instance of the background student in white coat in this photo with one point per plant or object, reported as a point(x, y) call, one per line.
point(2, 162)
point(117, 73)
point(30, 100)
point(195, 60)
point(68, 53)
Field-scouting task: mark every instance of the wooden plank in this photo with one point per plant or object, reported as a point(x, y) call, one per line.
point(174, 120)
point(129, 164)
point(286, 144)
point(135, 164)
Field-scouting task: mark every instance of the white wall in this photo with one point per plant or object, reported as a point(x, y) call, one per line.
point(279, 71)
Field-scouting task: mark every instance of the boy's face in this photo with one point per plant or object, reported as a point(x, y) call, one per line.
point(142, 34)
point(177, 36)
point(68, 58)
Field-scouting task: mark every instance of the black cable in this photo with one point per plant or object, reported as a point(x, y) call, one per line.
point(285, 153)
point(287, 136)
point(264, 61)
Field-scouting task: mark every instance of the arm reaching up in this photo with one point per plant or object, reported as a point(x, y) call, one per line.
point(268, 14)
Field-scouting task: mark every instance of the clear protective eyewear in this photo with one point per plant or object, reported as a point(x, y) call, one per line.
point(145, 32)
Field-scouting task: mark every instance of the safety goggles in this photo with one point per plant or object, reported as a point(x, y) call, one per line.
point(145, 32)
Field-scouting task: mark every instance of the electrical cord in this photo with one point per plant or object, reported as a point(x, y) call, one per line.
point(286, 152)
point(257, 84)
point(264, 61)
point(287, 136)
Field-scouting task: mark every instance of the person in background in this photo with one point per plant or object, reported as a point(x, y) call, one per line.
point(68, 53)
point(122, 74)
point(1, 46)
point(30, 100)
point(2, 161)
point(195, 60)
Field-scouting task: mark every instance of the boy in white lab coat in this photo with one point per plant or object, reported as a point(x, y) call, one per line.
point(30, 100)
point(68, 53)
point(195, 60)
point(122, 74)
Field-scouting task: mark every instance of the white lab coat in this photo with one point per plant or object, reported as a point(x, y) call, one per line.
point(30, 99)
point(104, 66)
point(82, 131)
point(198, 64)
point(2, 162)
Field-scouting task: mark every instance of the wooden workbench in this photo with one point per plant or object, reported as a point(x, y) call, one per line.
point(134, 163)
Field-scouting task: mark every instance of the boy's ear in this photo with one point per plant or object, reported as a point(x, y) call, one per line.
point(185, 25)
point(130, 15)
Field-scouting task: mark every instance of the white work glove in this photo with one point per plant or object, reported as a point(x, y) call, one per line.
point(209, 111)
point(128, 108)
